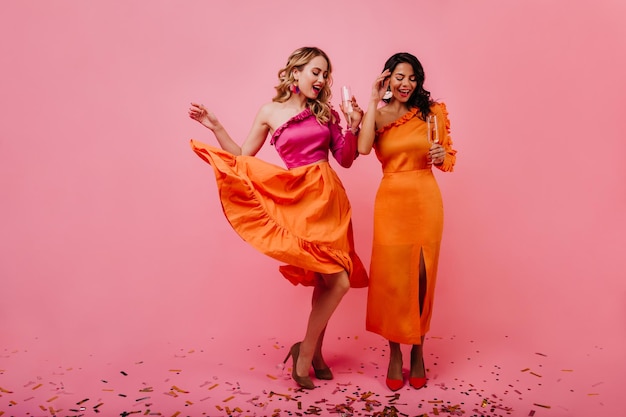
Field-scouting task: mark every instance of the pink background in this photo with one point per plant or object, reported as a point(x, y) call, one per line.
point(114, 248)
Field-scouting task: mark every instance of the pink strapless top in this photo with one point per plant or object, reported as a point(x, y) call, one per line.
point(302, 140)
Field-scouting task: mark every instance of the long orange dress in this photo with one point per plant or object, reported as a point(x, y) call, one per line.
point(300, 216)
point(408, 225)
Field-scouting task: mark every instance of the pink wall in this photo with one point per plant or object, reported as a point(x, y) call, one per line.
point(111, 229)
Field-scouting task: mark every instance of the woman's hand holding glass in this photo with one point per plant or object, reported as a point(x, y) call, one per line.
point(436, 153)
point(350, 108)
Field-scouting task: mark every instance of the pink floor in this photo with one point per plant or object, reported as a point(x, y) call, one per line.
point(494, 376)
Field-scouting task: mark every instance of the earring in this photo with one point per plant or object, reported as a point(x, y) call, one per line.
point(388, 94)
point(294, 88)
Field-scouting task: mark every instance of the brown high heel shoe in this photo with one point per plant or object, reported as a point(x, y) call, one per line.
point(323, 373)
point(303, 381)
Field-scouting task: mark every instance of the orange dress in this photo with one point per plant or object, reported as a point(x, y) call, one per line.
point(408, 224)
point(299, 216)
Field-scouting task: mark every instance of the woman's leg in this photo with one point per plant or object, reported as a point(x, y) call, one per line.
point(327, 296)
point(417, 361)
point(417, 351)
point(394, 370)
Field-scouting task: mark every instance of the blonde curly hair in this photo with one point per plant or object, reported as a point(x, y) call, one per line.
point(320, 106)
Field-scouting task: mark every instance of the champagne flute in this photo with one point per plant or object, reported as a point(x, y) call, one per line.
point(346, 99)
point(433, 129)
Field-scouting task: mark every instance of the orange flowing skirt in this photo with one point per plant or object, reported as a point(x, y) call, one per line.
point(301, 216)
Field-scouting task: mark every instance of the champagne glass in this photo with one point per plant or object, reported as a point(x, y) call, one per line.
point(433, 129)
point(346, 100)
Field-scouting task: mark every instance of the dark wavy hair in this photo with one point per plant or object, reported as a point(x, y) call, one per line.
point(420, 97)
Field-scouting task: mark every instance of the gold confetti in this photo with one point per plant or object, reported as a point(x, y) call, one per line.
point(271, 376)
point(594, 393)
point(567, 370)
point(52, 399)
point(525, 369)
point(175, 388)
point(37, 386)
point(5, 390)
point(176, 370)
point(175, 414)
point(213, 386)
point(228, 399)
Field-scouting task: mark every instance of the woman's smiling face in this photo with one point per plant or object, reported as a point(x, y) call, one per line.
point(402, 82)
point(313, 77)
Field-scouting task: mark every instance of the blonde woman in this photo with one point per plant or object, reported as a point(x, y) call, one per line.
point(300, 215)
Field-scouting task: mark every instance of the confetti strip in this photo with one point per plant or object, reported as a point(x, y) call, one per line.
point(37, 386)
point(537, 375)
point(228, 399)
point(542, 406)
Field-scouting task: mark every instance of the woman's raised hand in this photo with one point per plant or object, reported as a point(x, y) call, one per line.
point(380, 85)
point(200, 114)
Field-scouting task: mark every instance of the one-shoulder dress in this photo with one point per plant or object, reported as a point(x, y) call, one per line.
point(301, 215)
point(408, 225)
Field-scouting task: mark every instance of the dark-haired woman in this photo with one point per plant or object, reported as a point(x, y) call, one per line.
point(408, 212)
point(301, 215)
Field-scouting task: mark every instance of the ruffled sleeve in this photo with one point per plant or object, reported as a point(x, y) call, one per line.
point(398, 122)
point(295, 119)
point(441, 112)
point(343, 147)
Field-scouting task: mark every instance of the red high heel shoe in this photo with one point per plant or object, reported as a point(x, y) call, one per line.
point(303, 381)
point(394, 384)
point(419, 382)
